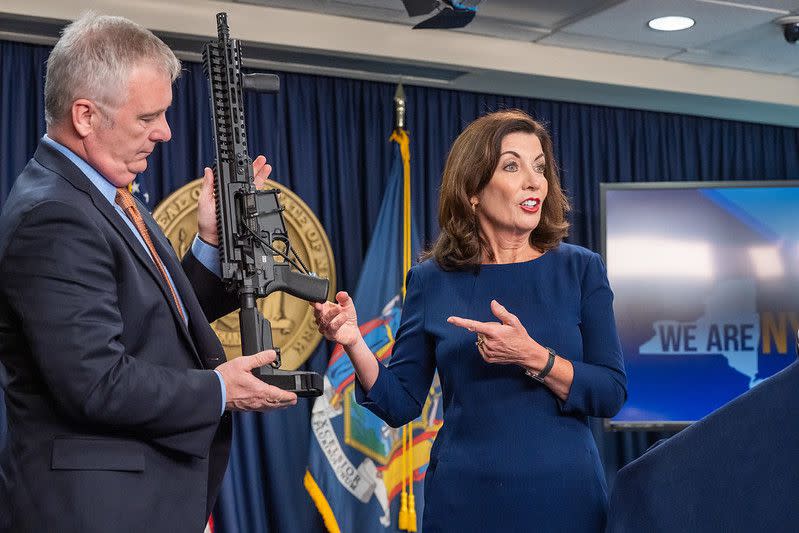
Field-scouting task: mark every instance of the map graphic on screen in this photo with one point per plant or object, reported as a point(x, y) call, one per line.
point(706, 284)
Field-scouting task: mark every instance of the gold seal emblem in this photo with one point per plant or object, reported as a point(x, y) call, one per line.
point(293, 326)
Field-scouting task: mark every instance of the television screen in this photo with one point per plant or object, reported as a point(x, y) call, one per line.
point(706, 284)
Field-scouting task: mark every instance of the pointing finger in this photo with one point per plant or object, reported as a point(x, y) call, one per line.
point(471, 325)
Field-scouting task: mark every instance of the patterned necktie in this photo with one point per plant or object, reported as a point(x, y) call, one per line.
point(126, 201)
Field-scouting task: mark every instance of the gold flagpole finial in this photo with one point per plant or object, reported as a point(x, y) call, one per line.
point(399, 107)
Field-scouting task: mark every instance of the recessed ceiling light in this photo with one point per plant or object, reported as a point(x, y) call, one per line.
point(671, 23)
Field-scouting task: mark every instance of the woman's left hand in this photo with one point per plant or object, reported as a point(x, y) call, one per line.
point(505, 342)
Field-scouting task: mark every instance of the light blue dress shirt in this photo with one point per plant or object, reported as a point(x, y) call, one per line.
point(205, 253)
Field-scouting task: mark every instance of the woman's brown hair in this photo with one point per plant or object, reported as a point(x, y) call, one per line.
point(471, 163)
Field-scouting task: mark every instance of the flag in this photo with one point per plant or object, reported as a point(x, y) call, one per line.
point(139, 190)
point(358, 467)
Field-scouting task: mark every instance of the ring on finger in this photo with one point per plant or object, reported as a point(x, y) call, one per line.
point(480, 340)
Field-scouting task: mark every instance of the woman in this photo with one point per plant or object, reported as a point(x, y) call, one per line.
point(519, 327)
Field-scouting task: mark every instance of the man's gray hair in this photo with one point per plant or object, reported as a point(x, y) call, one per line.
point(93, 60)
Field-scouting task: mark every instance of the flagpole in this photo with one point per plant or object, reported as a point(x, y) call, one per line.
point(339, 424)
point(401, 136)
point(398, 137)
point(407, 516)
point(399, 107)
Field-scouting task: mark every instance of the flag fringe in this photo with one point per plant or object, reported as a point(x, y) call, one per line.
point(321, 503)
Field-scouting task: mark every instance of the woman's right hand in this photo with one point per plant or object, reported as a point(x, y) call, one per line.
point(338, 321)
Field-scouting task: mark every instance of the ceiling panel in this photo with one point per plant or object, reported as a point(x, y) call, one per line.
point(776, 5)
point(762, 49)
point(388, 9)
point(627, 22)
point(382, 10)
point(390, 5)
point(539, 13)
point(302, 5)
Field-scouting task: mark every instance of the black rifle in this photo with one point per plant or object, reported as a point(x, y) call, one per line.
point(250, 222)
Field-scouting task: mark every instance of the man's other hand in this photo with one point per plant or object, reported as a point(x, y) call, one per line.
point(206, 203)
point(245, 392)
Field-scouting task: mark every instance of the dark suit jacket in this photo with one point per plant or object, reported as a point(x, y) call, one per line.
point(113, 413)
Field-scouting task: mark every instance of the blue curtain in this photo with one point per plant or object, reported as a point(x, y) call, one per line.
point(328, 141)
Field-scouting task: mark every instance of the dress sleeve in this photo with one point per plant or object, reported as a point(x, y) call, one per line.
point(599, 387)
point(400, 391)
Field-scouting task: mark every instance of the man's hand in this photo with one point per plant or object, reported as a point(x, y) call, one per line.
point(245, 392)
point(206, 203)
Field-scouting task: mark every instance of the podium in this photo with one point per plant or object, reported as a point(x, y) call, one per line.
point(736, 470)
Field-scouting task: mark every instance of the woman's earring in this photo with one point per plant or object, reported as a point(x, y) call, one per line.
point(474, 207)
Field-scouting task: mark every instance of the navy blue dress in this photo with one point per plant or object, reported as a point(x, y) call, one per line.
point(510, 456)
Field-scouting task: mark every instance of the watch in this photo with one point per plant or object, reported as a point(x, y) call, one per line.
point(539, 377)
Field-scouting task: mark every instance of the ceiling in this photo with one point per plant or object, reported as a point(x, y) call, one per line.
point(738, 35)
point(733, 64)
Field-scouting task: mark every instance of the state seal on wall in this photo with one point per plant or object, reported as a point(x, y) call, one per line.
point(293, 326)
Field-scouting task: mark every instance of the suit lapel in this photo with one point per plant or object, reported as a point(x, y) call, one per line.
point(61, 165)
point(182, 285)
point(202, 334)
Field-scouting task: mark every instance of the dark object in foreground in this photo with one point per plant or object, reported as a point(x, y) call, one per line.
point(250, 222)
point(733, 471)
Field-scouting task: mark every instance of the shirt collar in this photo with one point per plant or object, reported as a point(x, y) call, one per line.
point(106, 188)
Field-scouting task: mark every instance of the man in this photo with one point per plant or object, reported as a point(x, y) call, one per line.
point(117, 419)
